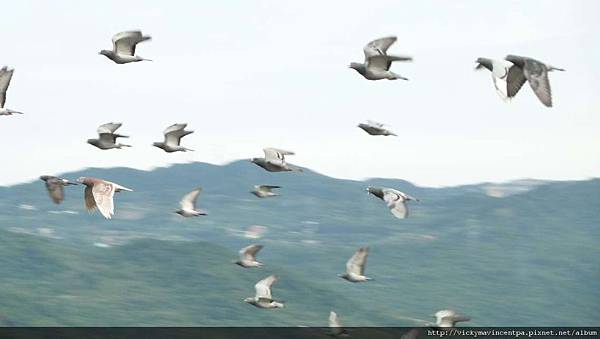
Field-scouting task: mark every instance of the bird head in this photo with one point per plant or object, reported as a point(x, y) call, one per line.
point(44, 177)
point(92, 141)
point(105, 52)
point(376, 191)
point(249, 300)
point(483, 63)
point(158, 144)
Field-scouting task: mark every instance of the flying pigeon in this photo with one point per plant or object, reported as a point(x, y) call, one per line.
point(396, 200)
point(5, 77)
point(99, 193)
point(248, 256)
point(336, 327)
point(377, 62)
point(503, 73)
point(375, 128)
point(274, 161)
point(536, 73)
point(124, 47)
point(263, 298)
point(56, 187)
point(355, 267)
point(188, 204)
point(107, 137)
point(264, 191)
point(448, 318)
point(173, 135)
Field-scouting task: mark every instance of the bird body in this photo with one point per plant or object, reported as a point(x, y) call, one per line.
point(536, 73)
point(265, 191)
point(448, 318)
point(396, 200)
point(377, 62)
point(263, 297)
point(355, 267)
point(124, 44)
point(335, 326)
point(188, 204)
point(173, 135)
point(99, 194)
point(248, 256)
point(55, 187)
point(375, 128)
point(107, 138)
point(274, 161)
point(5, 77)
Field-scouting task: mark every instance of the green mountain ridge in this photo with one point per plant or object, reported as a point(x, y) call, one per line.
point(527, 258)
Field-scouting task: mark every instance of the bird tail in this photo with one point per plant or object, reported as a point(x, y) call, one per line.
point(123, 145)
point(398, 76)
point(10, 111)
point(552, 68)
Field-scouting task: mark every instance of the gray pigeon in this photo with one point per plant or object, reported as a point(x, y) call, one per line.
point(355, 267)
point(99, 194)
point(396, 200)
point(265, 191)
point(107, 137)
point(188, 204)
point(56, 187)
point(375, 128)
point(248, 256)
point(377, 62)
point(5, 77)
point(448, 318)
point(173, 135)
point(263, 297)
point(274, 161)
point(536, 73)
point(124, 47)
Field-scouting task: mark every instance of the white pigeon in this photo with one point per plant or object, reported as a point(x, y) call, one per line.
point(124, 47)
point(188, 204)
point(377, 62)
point(99, 194)
point(355, 267)
point(448, 318)
point(5, 77)
point(173, 135)
point(107, 137)
point(248, 256)
point(375, 128)
point(396, 200)
point(336, 327)
point(263, 297)
point(503, 72)
point(536, 73)
point(274, 161)
point(265, 191)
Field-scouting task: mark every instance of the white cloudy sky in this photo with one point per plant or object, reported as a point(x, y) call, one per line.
point(249, 74)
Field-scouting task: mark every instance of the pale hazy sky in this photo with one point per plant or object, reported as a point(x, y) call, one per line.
point(250, 74)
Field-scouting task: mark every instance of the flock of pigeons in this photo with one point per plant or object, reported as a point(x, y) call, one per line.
point(508, 77)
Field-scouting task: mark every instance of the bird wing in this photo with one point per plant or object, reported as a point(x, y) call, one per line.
point(537, 75)
point(55, 190)
point(124, 42)
point(90, 203)
point(267, 188)
point(378, 47)
point(263, 287)
point(356, 263)
point(103, 192)
point(396, 203)
point(249, 252)
point(333, 320)
point(276, 156)
point(5, 76)
point(174, 133)
point(514, 81)
point(110, 127)
point(188, 202)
